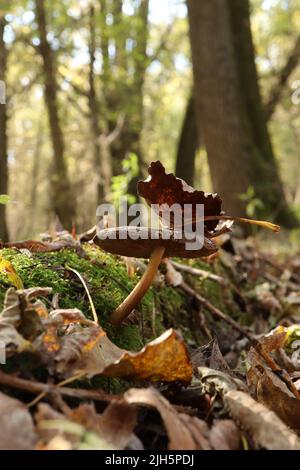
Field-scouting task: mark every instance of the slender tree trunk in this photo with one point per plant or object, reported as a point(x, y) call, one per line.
point(62, 196)
point(187, 145)
point(94, 105)
point(221, 118)
point(3, 136)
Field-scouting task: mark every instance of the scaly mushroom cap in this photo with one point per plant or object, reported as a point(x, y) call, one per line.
point(139, 242)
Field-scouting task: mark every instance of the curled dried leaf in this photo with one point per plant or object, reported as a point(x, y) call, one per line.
point(162, 188)
point(164, 359)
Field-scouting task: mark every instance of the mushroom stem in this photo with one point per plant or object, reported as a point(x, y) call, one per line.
point(140, 289)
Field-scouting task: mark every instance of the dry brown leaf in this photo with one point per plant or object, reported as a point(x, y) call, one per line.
point(115, 425)
point(270, 384)
point(224, 435)
point(161, 188)
point(113, 428)
point(274, 393)
point(34, 246)
point(68, 343)
point(17, 429)
point(263, 425)
point(164, 359)
point(184, 432)
point(20, 321)
point(59, 432)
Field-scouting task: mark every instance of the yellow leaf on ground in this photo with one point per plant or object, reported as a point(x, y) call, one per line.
point(7, 269)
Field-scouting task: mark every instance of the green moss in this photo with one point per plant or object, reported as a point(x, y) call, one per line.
point(105, 276)
point(108, 283)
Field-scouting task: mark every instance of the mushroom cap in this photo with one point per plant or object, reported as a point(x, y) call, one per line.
point(139, 242)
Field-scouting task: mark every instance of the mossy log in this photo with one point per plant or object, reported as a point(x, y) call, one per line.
point(108, 283)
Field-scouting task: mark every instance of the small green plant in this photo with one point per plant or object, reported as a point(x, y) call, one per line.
point(254, 205)
point(121, 182)
point(4, 199)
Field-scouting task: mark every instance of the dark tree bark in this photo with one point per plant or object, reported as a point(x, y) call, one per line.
point(229, 108)
point(271, 192)
point(187, 145)
point(62, 196)
point(3, 136)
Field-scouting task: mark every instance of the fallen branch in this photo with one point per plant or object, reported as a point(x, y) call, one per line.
point(199, 272)
point(38, 387)
point(215, 311)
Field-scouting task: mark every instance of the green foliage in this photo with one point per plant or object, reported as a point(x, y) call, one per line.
point(254, 205)
point(121, 182)
point(4, 199)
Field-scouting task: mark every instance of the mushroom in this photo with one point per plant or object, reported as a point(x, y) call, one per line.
point(145, 242)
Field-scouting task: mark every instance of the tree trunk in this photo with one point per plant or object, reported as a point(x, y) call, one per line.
point(62, 196)
point(271, 192)
point(3, 136)
point(187, 145)
point(221, 118)
point(100, 161)
point(229, 107)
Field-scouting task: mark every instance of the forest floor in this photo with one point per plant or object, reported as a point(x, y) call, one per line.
point(209, 360)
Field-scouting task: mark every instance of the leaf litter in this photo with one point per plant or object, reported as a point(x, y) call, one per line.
point(236, 387)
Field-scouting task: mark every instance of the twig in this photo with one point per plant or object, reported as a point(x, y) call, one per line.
point(199, 272)
point(39, 387)
point(215, 311)
point(95, 316)
point(37, 399)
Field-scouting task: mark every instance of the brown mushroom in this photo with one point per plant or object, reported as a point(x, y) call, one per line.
point(145, 242)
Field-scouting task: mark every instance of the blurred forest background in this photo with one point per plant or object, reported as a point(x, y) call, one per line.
point(97, 89)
